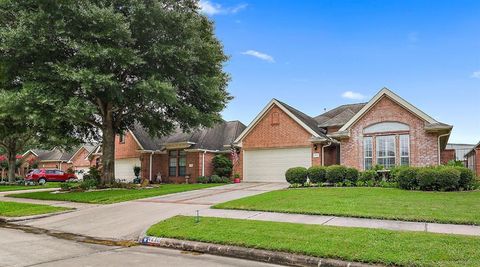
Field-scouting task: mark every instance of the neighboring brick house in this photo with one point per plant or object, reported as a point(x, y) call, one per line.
point(387, 130)
point(175, 158)
point(472, 159)
point(77, 159)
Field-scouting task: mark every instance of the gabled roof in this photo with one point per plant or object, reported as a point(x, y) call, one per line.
point(338, 116)
point(214, 138)
point(431, 123)
point(473, 149)
point(307, 122)
point(89, 147)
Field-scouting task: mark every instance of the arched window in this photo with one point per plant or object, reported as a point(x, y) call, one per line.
point(392, 144)
point(391, 126)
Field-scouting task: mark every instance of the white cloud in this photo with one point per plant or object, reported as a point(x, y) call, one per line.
point(259, 55)
point(353, 95)
point(210, 8)
point(476, 74)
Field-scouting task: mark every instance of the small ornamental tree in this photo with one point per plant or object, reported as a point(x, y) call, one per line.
point(222, 166)
point(113, 63)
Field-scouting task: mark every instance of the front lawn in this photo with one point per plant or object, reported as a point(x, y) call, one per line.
point(380, 203)
point(4, 188)
point(113, 195)
point(351, 244)
point(14, 209)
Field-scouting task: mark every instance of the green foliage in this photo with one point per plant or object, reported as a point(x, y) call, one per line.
point(407, 178)
point(136, 171)
point(317, 174)
point(214, 179)
point(202, 180)
point(426, 179)
point(447, 179)
point(106, 65)
point(296, 175)
point(336, 174)
point(222, 166)
point(351, 175)
point(369, 175)
point(455, 163)
point(467, 178)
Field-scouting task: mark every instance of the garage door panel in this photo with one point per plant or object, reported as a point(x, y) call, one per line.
point(124, 169)
point(270, 165)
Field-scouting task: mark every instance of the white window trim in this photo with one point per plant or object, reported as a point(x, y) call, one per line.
point(365, 157)
point(377, 157)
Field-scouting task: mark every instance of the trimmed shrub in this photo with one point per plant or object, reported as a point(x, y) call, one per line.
point(222, 166)
point(407, 178)
point(369, 175)
point(447, 179)
point(317, 174)
point(467, 178)
point(297, 175)
point(395, 171)
point(215, 179)
point(427, 179)
point(336, 174)
point(202, 180)
point(351, 175)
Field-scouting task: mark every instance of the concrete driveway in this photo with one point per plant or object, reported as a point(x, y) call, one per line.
point(128, 220)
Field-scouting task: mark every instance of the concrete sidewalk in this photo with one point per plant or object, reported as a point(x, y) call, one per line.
point(343, 221)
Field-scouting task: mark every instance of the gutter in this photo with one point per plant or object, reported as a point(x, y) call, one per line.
point(151, 160)
point(203, 162)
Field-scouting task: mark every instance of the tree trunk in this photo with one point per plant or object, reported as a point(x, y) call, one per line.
point(108, 150)
point(12, 160)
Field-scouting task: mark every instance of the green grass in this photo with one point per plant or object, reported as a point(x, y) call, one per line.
point(4, 188)
point(114, 195)
point(380, 203)
point(351, 244)
point(14, 209)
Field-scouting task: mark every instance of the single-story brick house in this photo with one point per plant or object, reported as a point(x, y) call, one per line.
point(56, 158)
point(472, 159)
point(174, 158)
point(387, 130)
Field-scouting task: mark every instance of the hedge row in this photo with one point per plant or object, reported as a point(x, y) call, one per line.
point(318, 174)
point(440, 178)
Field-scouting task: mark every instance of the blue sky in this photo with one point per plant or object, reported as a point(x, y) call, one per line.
point(316, 55)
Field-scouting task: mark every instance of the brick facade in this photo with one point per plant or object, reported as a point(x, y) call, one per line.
point(473, 160)
point(447, 155)
point(128, 149)
point(80, 159)
point(423, 145)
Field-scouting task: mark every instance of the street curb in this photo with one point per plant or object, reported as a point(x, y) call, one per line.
point(260, 255)
point(33, 217)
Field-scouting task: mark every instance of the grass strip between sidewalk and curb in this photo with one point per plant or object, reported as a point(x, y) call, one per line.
point(15, 209)
point(349, 244)
point(113, 195)
point(372, 203)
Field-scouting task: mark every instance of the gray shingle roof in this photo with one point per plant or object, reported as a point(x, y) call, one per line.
point(214, 138)
point(339, 115)
point(309, 121)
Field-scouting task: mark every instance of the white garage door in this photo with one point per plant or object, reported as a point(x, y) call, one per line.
point(124, 169)
point(81, 171)
point(270, 165)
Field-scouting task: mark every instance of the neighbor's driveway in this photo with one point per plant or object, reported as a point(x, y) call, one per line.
point(128, 220)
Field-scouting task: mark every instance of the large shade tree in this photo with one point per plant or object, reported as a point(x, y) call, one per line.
point(114, 63)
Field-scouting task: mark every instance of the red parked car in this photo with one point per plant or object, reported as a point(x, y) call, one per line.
point(42, 176)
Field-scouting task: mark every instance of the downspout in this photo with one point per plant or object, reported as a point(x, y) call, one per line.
point(203, 163)
point(323, 152)
point(151, 160)
point(440, 152)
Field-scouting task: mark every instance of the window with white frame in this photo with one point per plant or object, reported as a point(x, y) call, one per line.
point(404, 150)
point(385, 151)
point(368, 152)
